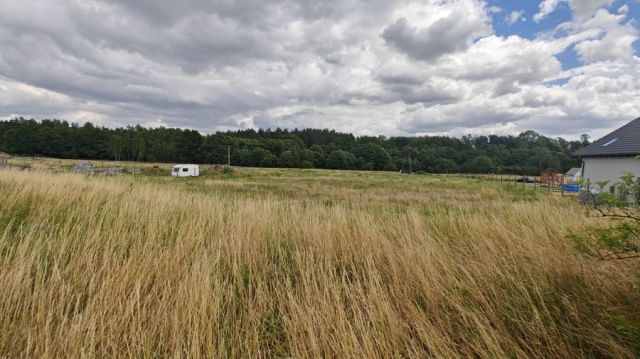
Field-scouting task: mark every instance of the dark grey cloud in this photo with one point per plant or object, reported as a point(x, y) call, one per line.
point(429, 93)
point(266, 120)
point(428, 43)
point(453, 31)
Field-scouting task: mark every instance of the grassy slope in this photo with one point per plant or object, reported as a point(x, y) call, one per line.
point(298, 263)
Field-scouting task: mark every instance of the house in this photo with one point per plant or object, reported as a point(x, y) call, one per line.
point(185, 171)
point(573, 175)
point(611, 156)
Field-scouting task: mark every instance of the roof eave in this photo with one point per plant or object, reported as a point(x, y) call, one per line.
point(606, 155)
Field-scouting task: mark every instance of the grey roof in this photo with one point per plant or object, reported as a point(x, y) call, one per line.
point(624, 141)
point(574, 171)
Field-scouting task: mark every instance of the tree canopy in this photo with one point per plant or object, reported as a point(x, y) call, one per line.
point(527, 153)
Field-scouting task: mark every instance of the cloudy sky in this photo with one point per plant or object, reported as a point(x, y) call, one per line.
point(560, 67)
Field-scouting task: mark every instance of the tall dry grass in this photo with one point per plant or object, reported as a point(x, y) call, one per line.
point(113, 267)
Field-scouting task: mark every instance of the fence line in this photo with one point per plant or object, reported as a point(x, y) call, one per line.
point(553, 183)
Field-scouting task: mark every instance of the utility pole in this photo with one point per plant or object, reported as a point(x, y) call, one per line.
point(410, 169)
point(229, 155)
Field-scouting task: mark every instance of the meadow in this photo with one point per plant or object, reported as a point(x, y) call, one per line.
point(301, 263)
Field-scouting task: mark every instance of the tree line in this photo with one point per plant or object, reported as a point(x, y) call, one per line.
point(528, 153)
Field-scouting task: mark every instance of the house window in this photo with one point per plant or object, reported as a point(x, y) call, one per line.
point(611, 142)
point(612, 189)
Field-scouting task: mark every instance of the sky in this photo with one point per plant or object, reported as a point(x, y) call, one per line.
point(370, 67)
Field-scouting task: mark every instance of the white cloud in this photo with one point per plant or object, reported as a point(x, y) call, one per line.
point(584, 9)
point(514, 17)
point(512, 58)
point(546, 7)
point(615, 41)
point(623, 9)
point(494, 9)
point(615, 45)
point(581, 9)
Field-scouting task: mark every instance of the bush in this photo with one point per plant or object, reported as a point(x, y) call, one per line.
point(269, 160)
point(306, 164)
point(620, 240)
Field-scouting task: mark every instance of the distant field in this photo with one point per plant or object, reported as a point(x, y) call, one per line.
point(299, 263)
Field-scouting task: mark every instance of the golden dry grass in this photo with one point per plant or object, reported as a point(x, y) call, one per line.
point(298, 264)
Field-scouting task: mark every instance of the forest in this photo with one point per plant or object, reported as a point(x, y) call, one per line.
point(525, 154)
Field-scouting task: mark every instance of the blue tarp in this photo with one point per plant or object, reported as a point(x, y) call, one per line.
point(571, 188)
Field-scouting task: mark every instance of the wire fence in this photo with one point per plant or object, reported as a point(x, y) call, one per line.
point(555, 183)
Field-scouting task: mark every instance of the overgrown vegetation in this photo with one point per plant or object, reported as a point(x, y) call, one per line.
point(618, 238)
point(301, 263)
point(621, 238)
point(527, 153)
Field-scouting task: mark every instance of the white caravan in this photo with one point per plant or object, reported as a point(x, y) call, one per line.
point(185, 171)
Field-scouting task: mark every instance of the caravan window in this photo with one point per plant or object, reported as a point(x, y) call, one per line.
point(185, 169)
point(175, 170)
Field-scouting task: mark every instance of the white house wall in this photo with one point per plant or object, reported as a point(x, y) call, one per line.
point(609, 168)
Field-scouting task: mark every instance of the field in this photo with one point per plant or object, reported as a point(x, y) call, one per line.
point(300, 263)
